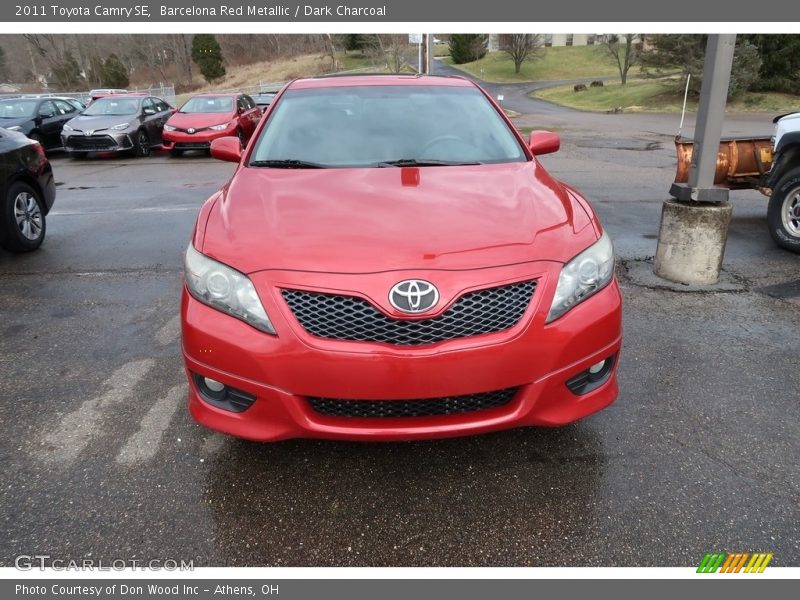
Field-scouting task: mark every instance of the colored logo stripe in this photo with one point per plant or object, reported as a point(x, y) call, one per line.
point(734, 562)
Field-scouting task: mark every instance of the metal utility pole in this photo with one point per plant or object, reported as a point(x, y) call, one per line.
point(429, 50)
point(708, 130)
point(694, 226)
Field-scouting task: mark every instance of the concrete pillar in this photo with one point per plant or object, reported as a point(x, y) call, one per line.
point(691, 241)
point(694, 227)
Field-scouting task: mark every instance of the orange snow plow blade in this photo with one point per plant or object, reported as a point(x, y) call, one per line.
point(741, 163)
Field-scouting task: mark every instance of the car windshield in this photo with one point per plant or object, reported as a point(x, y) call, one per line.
point(208, 104)
point(112, 106)
point(385, 125)
point(17, 109)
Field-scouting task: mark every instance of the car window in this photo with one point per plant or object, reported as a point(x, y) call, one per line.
point(352, 126)
point(208, 104)
point(249, 101)
point(16, 109)
point(161, 105)
point(240, 103)
point(64, 108)
point(47, 108)
point(113, 105)
point(148, 104)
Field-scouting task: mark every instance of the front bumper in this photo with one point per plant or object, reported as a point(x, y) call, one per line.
point(283, 372)
point(201, 140)
point(107, 141)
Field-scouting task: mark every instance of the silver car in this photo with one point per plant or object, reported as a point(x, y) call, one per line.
point(123, 122)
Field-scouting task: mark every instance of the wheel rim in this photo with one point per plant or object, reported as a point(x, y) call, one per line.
point(144, 145)
point(790, 213)
point(28, 216)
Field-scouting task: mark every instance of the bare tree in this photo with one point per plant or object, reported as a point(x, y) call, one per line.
point(626, 49)
point(521, 47)
point(389, 50)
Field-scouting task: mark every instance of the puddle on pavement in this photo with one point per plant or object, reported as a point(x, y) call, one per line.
point(636, 145)
point(785, 291)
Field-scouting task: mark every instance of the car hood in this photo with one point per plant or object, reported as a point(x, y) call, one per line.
point(385, 219)
point(198, 120)
point(100, 122)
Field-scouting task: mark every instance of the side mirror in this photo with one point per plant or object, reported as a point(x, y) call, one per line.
point(149, 111)
point(544, 142)
point(227, 148)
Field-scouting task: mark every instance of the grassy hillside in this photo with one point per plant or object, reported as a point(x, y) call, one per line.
point(656, 95)
point(567, 62)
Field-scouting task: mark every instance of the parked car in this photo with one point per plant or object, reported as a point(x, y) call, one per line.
point(27, 192)
point(115, 123)
point(39, 118)
point(206, 117)
point(264, 99)
point(390, 261)
point(102, 93)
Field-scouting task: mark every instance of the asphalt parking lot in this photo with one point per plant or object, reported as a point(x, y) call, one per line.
point(101, 460)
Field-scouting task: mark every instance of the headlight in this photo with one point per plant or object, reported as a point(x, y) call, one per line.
point(225, 289)
point(584, 275)
point(221, 127)
point(67, 128)
point(169, 128)
point(121, 126)
point(14, 128)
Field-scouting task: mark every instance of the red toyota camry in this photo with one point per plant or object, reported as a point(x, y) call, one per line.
point(206, 117)
point(389, 262)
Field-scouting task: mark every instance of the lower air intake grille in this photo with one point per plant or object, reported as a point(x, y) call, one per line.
point(349, 318)
point(429, 407)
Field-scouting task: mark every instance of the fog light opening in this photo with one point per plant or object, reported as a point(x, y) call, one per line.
point(597, 367)
point(213, 384)
point(222, 396)
point(592, 378)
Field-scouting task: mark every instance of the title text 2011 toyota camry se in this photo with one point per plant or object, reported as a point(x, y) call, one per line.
point(390, 262)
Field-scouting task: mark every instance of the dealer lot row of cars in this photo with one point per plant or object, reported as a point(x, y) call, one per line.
point(114, 121)
point(131, 122)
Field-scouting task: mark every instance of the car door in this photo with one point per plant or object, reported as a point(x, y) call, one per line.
point(164, 111)
point(65, 111)
point(249, 116)
point(150, 120)
point(49, 124)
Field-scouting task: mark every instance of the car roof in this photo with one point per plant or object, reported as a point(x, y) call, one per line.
point(219, 94)
point(379, 79)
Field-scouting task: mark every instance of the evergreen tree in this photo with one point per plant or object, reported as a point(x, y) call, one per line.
point(114, 74)
point(207, 54)
point(467, 47)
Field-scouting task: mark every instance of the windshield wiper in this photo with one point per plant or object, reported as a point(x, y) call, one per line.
point(287, 163)
point(423, 162)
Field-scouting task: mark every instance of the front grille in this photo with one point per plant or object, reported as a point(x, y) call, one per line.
point(192, 145)
point(354, 319)
point(91, 142)
point(429, 407)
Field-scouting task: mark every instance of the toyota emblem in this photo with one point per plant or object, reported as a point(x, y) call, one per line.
point(413, 296)
point(191, 130)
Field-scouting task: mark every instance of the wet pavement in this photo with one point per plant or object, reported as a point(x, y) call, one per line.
point(101, 459)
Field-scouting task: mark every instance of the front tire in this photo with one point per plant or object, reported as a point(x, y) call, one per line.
point(783, 212)
point(141, 145)
point(22, 224)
